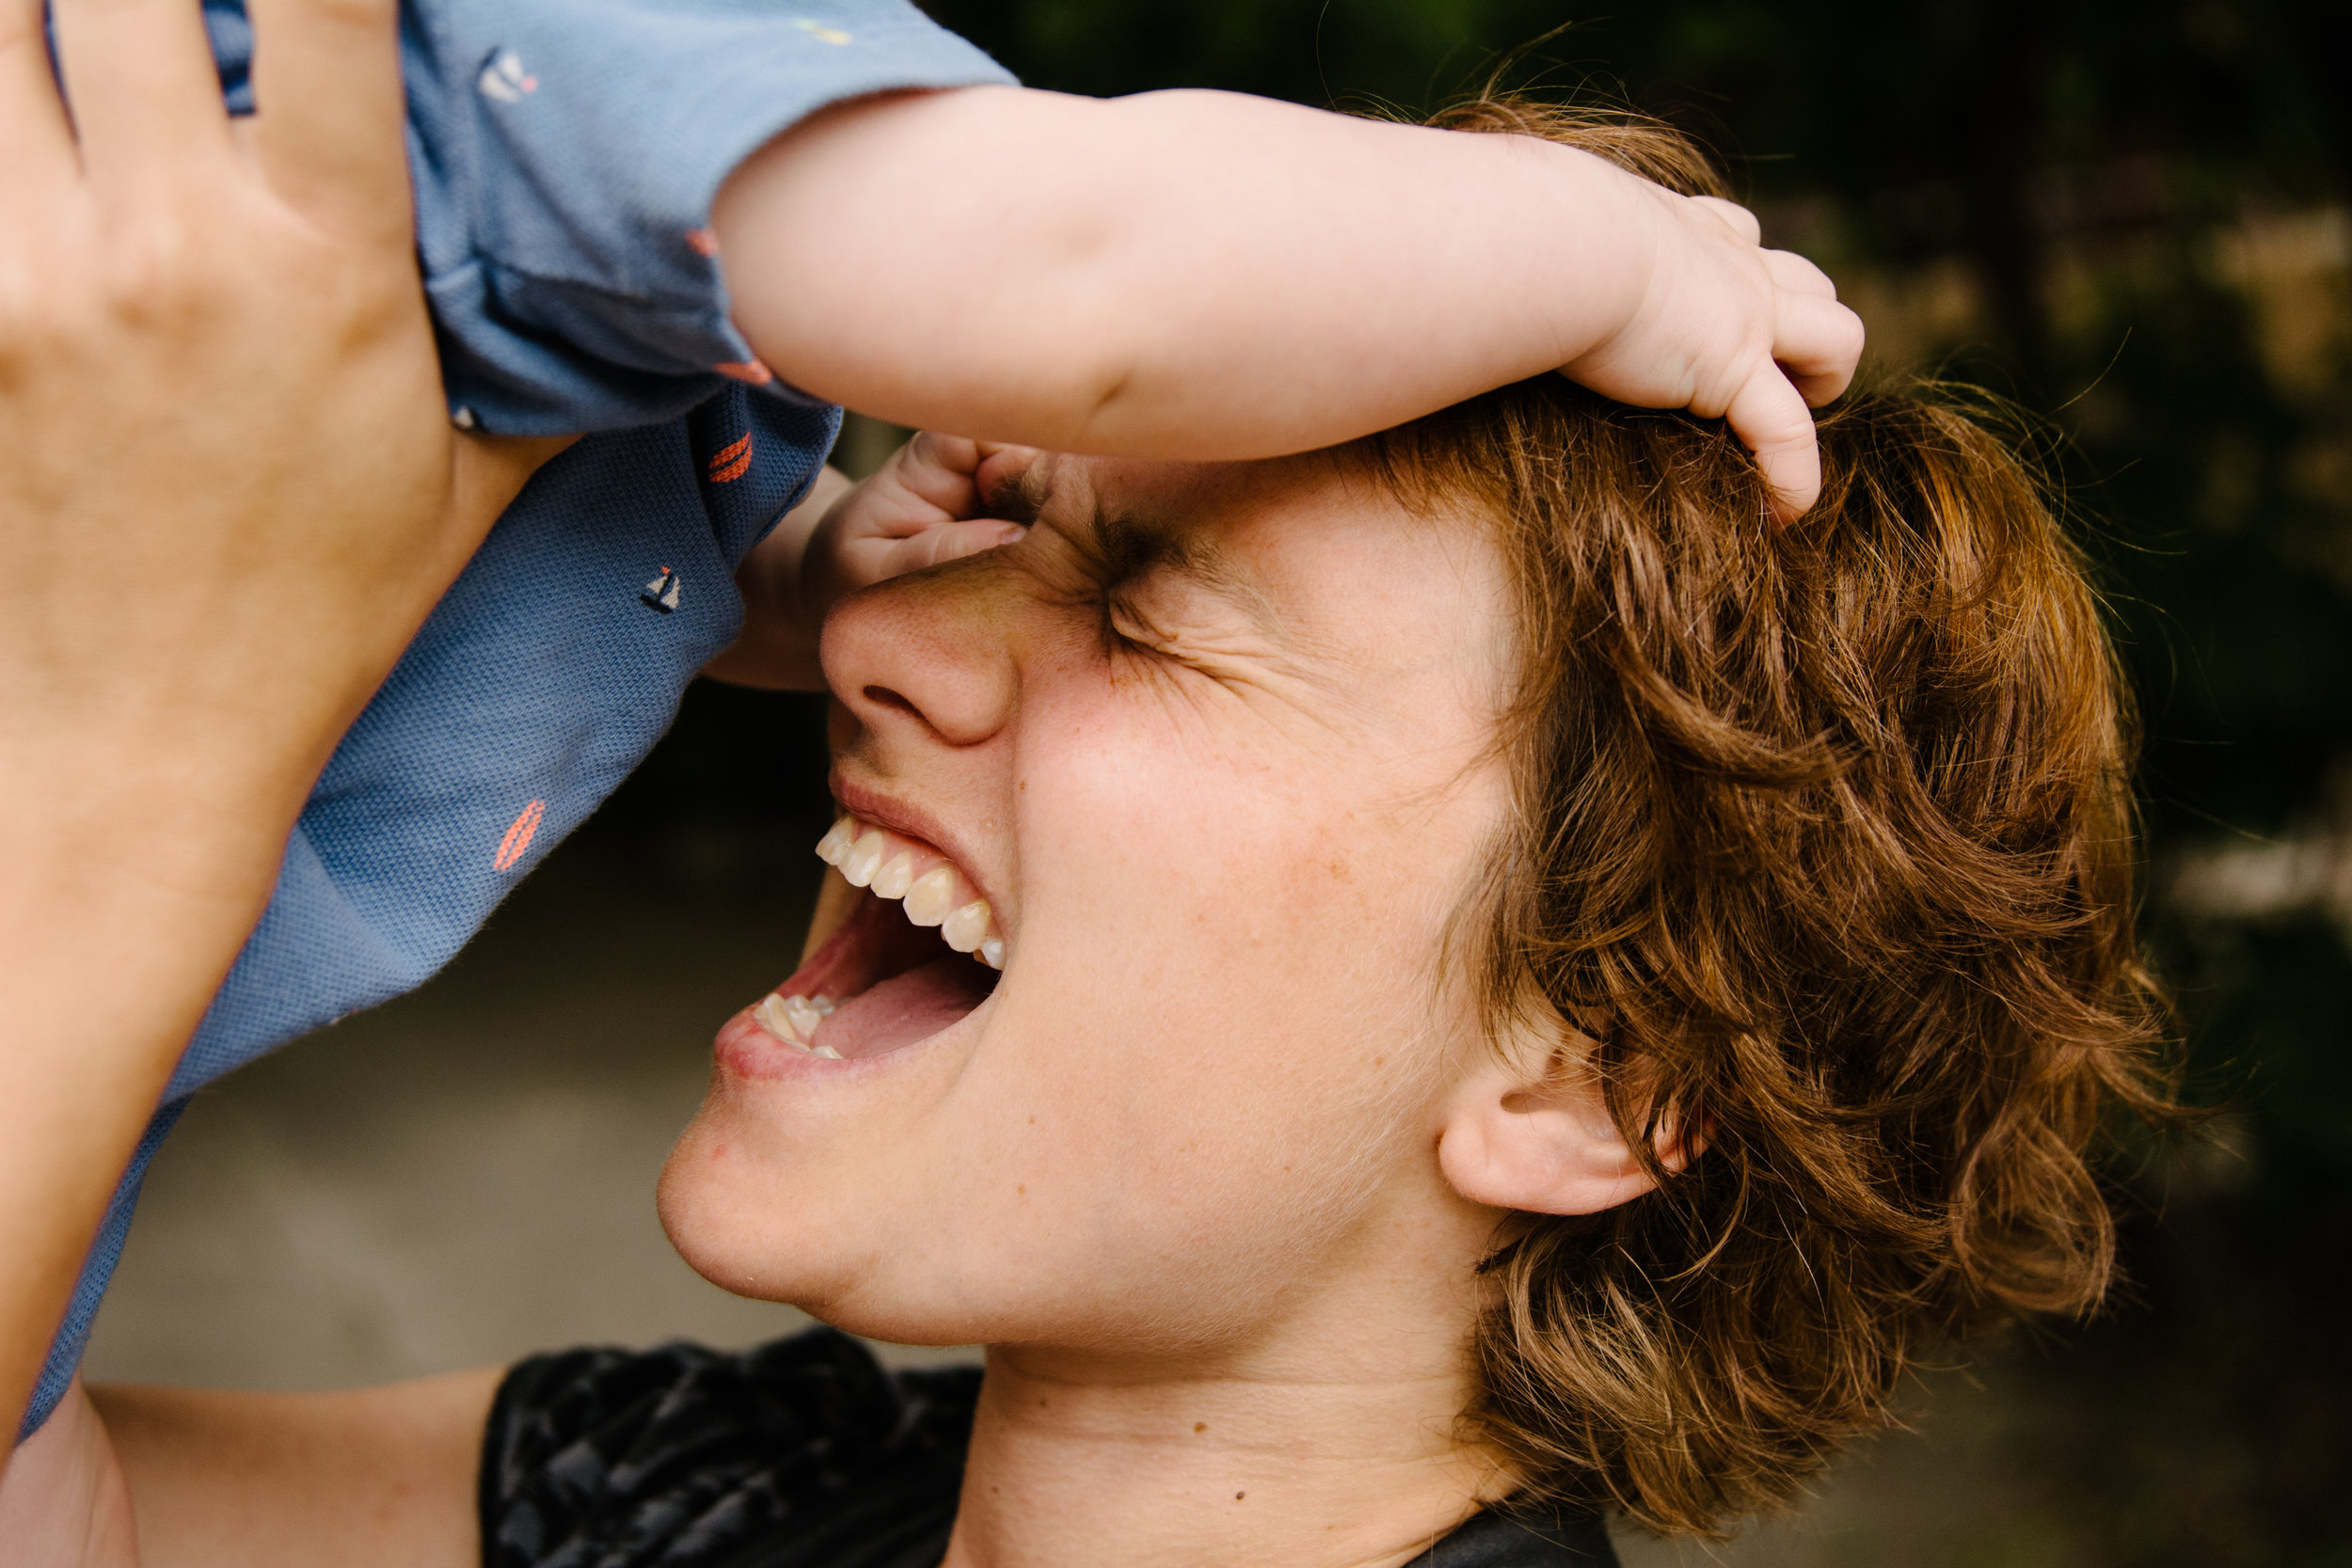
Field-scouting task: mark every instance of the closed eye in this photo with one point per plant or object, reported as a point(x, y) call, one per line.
point(1124, 630)
point(1127, 558)
point(1174, 598)
point(1125, 627)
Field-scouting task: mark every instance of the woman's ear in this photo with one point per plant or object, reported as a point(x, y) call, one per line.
point(1545, 1142)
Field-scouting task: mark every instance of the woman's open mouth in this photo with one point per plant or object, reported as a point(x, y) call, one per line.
point(884, 981)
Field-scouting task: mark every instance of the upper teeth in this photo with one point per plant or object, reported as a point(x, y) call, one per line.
point(894, 876)
point(929, 901)
point(934, 893)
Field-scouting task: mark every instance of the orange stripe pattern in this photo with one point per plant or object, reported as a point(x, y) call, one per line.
point(751, 372)
point(518, 836)
point(733, 462)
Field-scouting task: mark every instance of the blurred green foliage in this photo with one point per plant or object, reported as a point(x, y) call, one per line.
point(2129, 215)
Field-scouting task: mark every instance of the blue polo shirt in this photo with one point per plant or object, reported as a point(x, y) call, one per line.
point(566, 154)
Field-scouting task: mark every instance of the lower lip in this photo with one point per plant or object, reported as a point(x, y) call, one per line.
point(747, 1051)
point(744, 1048)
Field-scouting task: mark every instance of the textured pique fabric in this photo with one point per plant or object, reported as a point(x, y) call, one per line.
point(802, 1454)
point(564, 154)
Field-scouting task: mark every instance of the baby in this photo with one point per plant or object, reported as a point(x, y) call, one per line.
point(694, 230)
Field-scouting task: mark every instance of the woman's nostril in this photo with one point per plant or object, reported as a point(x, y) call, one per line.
point(946, 666)
point(884, 697)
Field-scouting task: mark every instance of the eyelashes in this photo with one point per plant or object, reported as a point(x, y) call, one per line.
point(1127, 629)
point(1123, 629)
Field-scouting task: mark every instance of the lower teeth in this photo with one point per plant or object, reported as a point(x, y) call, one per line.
point(793, 1020)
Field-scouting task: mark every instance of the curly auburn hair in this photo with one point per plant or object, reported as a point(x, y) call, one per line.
point(1823, 851)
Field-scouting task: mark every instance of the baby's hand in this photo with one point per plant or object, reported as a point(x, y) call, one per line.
point(920, 508)
point(1731, 330)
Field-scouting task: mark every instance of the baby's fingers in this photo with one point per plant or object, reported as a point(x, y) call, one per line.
point(958, 540)
point(1795, 274)
point(938, 470)
point(1818, 343)
point(946, 542)
point(1770, 418)
point(1735, 217)
point(1009, 480)
point(956, 476)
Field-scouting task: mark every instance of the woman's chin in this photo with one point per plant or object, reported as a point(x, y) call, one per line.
point(732, 1227)
point(736, 1224)
point(785, 1186)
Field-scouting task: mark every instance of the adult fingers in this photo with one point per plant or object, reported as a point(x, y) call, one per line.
point(1737, 218)
point(1792, 272)
point(144, 92)
point(1771, 419)
point(32, 117)
point(328, 131)
point(1818, 343)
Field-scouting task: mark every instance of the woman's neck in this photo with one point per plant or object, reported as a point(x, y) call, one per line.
point(1346, 1456)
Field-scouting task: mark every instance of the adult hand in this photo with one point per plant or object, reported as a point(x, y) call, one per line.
point(229, 496)
point(64, 1501)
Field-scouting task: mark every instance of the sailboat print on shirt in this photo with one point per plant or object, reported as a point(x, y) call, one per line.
point(661, 593)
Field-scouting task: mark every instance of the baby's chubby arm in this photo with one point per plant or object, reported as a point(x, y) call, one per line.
point(1207, 275)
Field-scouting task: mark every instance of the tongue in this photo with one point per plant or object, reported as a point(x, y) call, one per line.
point(906, 1007)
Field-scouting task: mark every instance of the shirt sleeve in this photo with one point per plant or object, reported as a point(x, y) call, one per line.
point(566, 154)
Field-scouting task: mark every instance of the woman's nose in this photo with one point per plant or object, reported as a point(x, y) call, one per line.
point(929, 651)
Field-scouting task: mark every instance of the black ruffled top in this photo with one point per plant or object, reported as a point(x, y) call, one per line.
point(802, 1454)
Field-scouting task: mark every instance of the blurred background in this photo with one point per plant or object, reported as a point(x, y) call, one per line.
point(2128, 216)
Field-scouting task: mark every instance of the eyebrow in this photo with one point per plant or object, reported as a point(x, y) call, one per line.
point(1127, 545)
point(1131, 546)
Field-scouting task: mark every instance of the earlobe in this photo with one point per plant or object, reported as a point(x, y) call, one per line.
point(1547, 1147)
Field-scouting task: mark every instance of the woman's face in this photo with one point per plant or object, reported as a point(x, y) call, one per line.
point(1215, 744)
